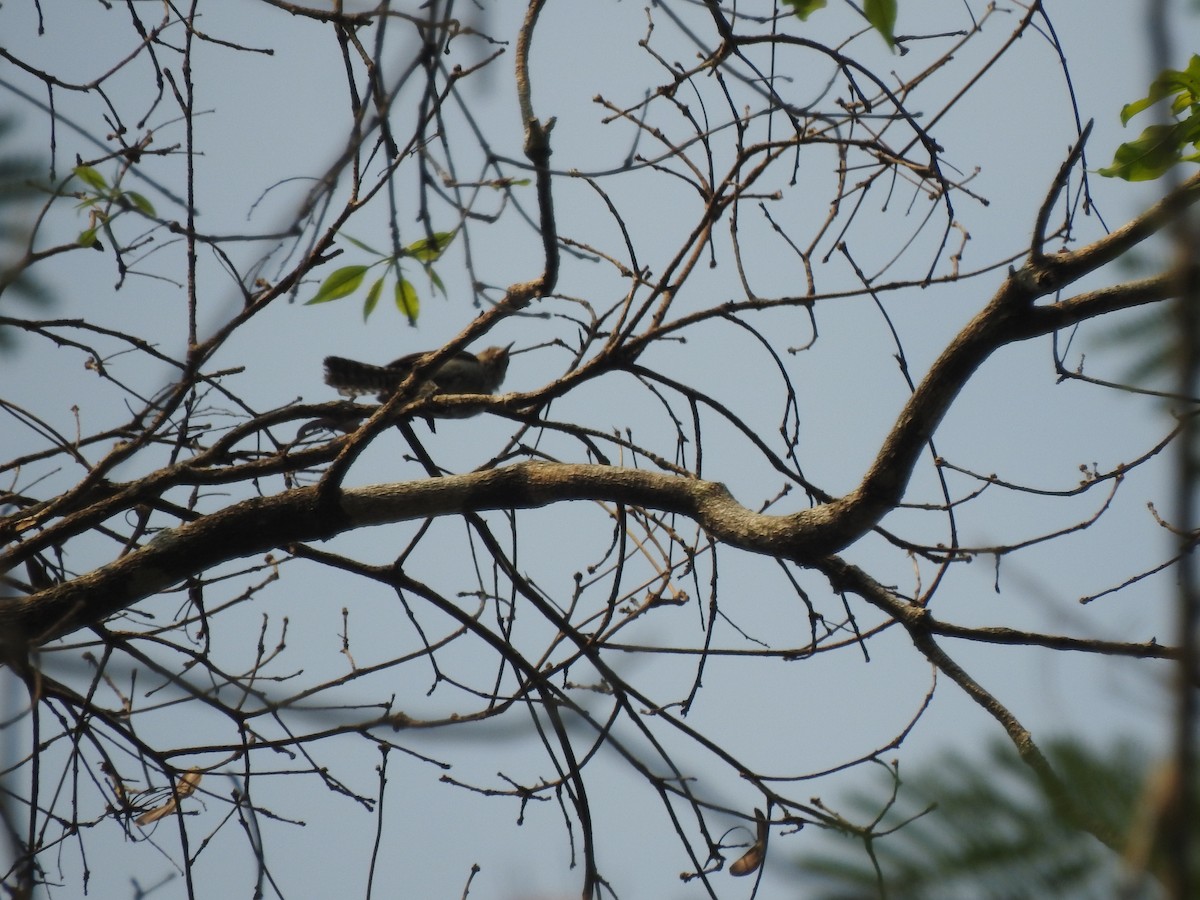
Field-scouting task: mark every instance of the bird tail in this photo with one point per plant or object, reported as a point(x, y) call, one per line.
point(352, 378)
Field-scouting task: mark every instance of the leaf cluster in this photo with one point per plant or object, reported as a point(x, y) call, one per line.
point(345, 281)
point(1164, 145)
point(985, 827)
point(104, 202)
point(880, 13)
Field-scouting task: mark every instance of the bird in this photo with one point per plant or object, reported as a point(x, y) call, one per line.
point(462, 373)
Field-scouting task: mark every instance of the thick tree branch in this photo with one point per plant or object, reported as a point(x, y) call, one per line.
point(1010, 316)
point(916, 620)
point(1065, 268)
point(262, 524)
point(265, 523)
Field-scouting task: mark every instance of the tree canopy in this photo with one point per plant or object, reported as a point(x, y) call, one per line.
point(821, 421)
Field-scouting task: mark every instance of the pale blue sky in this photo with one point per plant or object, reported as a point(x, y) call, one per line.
point(271, 123)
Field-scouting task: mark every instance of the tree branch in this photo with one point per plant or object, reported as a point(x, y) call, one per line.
point(265, 523)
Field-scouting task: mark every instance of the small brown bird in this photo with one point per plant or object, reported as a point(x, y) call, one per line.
point(462, 373)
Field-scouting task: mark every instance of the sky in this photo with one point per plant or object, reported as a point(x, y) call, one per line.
point(269, 124)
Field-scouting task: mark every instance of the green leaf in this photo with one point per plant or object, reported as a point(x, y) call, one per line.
point(983, 826)
point(87, 238)
point(1154, 151)
point(882, 16)
point(360, 245)
point(339, 284)
point(139, 201)
point(372, 298)
point(430, 249)
point(1185, 84)
point(1159, 147)
point(407, 301)
point(805, 8)
point(436, 281)
point(91, 177)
